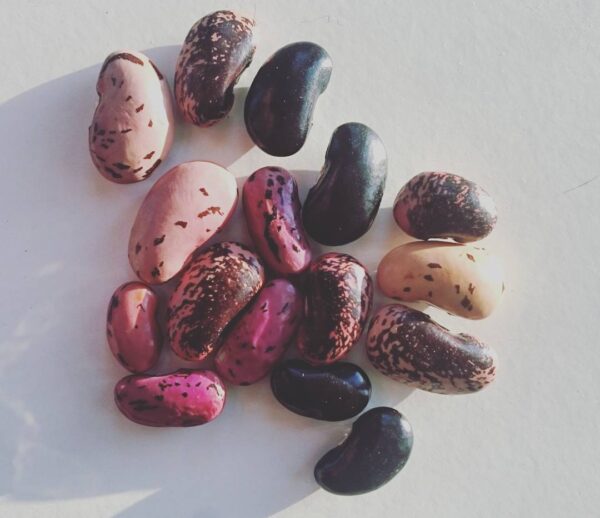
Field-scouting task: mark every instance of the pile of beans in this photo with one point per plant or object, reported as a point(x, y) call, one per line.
point(243, 307)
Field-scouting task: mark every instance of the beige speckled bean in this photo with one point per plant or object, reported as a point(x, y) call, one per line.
point(462, 279)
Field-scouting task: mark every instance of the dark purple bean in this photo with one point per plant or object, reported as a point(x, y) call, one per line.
point(342, 206)
point(281, 100)
point(330, 393)
point(376, 450)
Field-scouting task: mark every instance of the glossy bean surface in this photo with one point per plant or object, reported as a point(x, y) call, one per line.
point(131, 329)
point(183, 398)
point(342, 205)
point(272, 210)
point(282, 98)
point(261, 334)
point(377, 448)
point(330, 393)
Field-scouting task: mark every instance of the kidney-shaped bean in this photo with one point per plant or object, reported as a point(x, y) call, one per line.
point(408, 346)
point(132, 128)
point(329, 392)
point(131, 329)
point(218, 48)
point(183, 398)
point(214, 287)
point(439, 205)
point(272, 210)
point(184, 208)
point(377, 448)
point(342, 205)
point(338, 300)
point(261, 334)
point(462, 279)
point(282, 98)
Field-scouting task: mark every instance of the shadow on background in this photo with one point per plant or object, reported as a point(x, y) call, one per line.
point(67, 230)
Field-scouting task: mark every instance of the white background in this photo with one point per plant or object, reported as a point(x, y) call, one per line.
point(506, 93)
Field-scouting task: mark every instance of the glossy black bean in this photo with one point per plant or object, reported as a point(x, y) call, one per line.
point(343, 203)
point(377, 448)
point(330, 393)
point(281, 100)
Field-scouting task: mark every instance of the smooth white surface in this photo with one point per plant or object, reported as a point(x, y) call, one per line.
point(503, 92)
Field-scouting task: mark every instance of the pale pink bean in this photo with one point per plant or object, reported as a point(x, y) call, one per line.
point(182, 211)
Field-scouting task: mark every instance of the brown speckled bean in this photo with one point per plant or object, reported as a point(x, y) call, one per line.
point(218, 48)
point(462, 279)
point(213, 288)
point(408, 346)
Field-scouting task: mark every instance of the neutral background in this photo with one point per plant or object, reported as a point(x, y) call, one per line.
point(504, 92)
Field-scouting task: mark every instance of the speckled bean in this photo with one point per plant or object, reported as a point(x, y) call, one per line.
point(282, 98)
point(272, 210)
point(408, 346)
point(462, 279)
point(183, 398)
point(260, 336)
point(342, 205)
point(338, 300)
point(441, 205)
point(183, 210)
point(377, 448)
point(132, 128)
point(216, 51)
point(213, 288)
point(131, 329)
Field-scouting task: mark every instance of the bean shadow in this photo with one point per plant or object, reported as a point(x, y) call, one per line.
point(67, 230)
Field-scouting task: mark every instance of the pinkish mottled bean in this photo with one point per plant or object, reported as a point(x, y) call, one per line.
point(338, 301)
point(410, 347)
point(213, 288)
point(132, 128)
point(182, 211)
point(131, 329)
point(261, 335)
point(216, 51)
point(272, 210)
point(183, 398)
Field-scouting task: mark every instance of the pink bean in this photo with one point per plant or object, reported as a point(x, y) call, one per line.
point(183, 398)
point(131, 329)
point(260, 337)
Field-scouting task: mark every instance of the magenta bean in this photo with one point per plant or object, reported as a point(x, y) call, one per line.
point(183, 398)
point(272, 209)
point(261, 335)
point(213, 288)
point(338, 300)
point(131, 329)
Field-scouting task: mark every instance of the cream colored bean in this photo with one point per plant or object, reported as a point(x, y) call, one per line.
point(462, 279)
